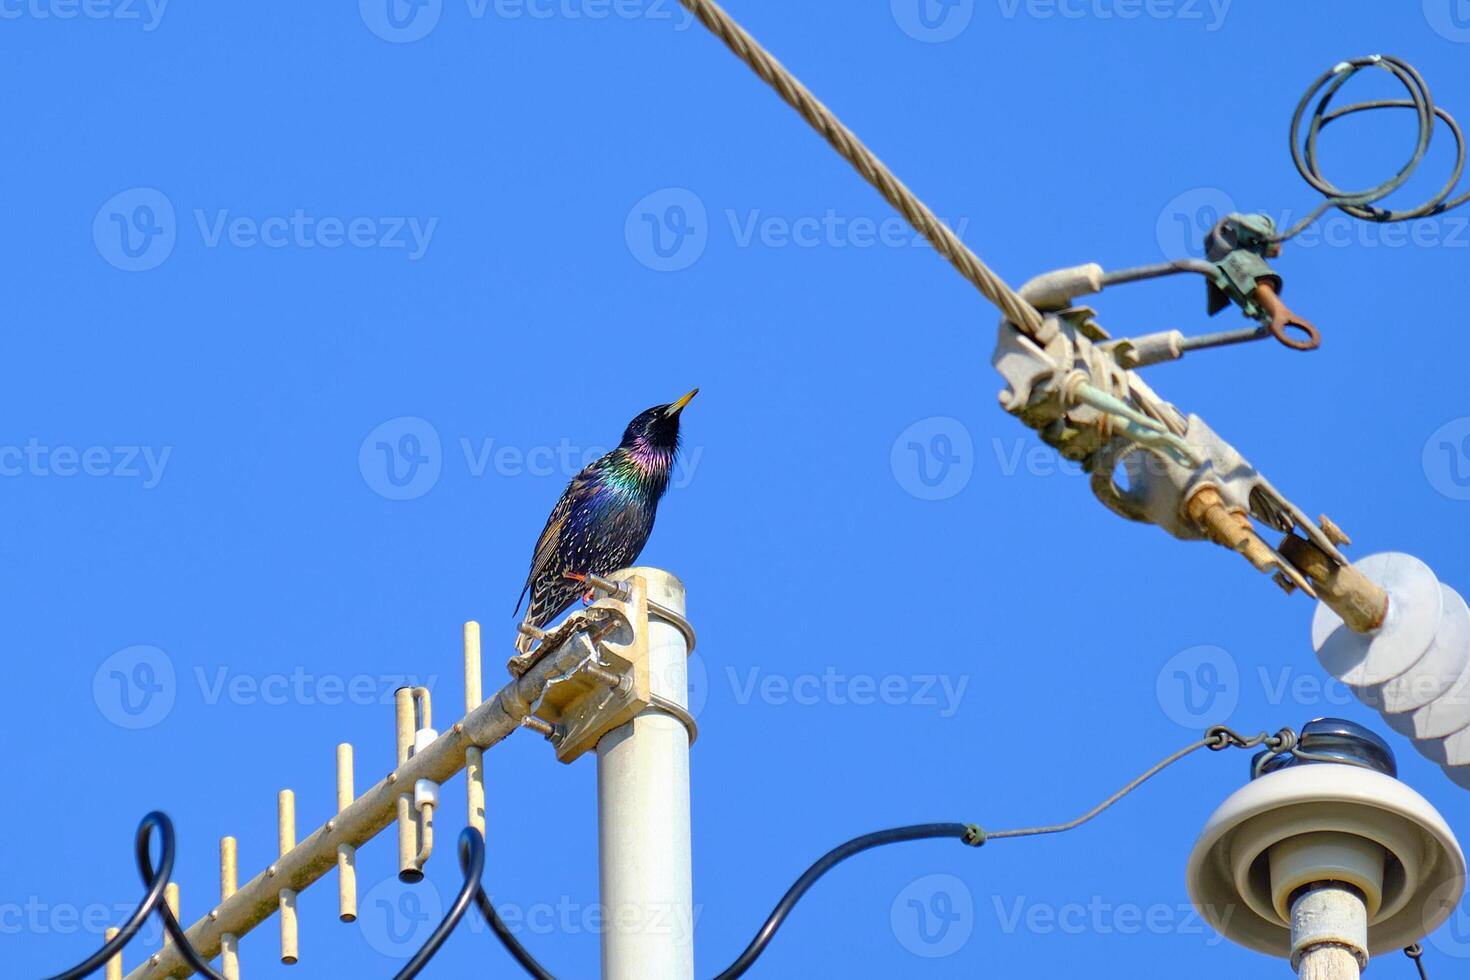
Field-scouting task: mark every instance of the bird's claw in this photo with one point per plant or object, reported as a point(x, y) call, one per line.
point(590, 595)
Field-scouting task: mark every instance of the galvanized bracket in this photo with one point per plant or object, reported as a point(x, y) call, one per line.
point(610, 683)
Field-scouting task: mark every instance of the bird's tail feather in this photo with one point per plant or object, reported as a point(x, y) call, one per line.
point(549, 603)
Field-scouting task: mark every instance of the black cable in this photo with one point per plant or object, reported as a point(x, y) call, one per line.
point(503, 933)
point(826, 863)
point(924, 831)
point(1359, 203)
point(152, 898)
point(1217, 738)
point(155, 880)
point(472, 861)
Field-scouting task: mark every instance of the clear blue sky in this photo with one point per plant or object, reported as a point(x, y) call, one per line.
point(334, 224)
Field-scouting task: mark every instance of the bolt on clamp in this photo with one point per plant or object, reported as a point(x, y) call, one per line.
point(1078, 388)
point(611, 682)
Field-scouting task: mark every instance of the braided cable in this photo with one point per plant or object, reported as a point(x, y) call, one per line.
point(873, 170)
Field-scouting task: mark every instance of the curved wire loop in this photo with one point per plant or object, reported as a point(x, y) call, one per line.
point(155, 880)
point(503, 933)
point(472, 862)
point(1216, 738)
point(826, 863)
point(1359, 204)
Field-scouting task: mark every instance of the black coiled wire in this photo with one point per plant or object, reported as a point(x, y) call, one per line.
point(156, 879)
point(1359, 204)
point(472, 863)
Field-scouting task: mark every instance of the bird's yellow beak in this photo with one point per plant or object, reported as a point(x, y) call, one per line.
point(678, 406)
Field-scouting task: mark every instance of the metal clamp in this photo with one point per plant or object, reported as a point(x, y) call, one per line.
point(610, 683)
point(676, 620)
point(1077, 388)
point(1239, 246)
point(684, 717)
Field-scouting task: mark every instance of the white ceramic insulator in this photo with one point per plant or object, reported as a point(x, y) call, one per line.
point(425, 791)
point(1415, 668)
point(1327, 856)
point(1449, 711)
point(1056, 290)
point(1436, 672)
point(1318, 823)
point(1156, 348)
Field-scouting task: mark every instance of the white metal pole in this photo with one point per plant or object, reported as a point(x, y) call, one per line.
point(643, 818)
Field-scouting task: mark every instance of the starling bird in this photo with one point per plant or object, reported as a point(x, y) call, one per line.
point(606, 513)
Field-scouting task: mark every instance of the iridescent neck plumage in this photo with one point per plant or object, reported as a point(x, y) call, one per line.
point(644, 465)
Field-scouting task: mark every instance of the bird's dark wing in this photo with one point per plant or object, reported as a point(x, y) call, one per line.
point(582, 488)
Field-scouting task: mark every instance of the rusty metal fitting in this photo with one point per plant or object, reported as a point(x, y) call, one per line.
point(1231, 528)
point(1285, 323)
